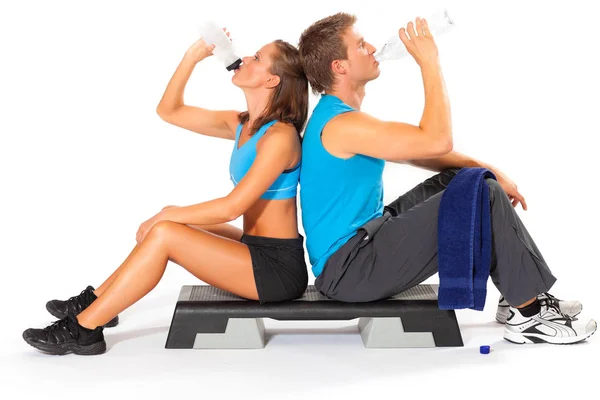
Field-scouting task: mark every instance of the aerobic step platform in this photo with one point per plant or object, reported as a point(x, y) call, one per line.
point(207, 317)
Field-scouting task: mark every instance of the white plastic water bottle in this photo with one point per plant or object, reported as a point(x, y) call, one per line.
point(393, 49)
point(224, 50)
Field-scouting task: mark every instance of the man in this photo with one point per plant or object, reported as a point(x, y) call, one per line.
point(361, 250)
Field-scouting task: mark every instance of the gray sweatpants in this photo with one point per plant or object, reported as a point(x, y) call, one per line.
point(398, 250)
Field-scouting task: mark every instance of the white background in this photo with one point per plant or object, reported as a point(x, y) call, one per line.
point(85, 159)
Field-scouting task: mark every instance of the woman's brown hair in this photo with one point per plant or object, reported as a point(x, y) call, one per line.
point(289, 100)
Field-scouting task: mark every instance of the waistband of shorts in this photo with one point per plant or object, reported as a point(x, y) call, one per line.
point(269, 241)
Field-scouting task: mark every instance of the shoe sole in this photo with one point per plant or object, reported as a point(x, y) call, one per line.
point(66, 348)
point(519, 338)
point(55, 313)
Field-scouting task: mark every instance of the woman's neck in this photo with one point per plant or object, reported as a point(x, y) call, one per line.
point(256, 101)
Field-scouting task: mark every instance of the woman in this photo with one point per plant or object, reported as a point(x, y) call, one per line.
point(265, 261)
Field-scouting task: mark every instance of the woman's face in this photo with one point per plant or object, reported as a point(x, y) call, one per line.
point(255, 70)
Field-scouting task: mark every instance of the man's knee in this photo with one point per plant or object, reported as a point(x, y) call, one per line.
point(496, 190)
point(452, 171)
point(493, 184)
point(447, 175)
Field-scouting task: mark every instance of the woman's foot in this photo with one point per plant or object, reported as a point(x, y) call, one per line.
point(549, 325)
point(572, 308)
point(67, 336)
point(76, 304)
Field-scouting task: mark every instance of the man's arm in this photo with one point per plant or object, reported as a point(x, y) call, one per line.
point(456, 159)
point(453, 159)
point(358, 133)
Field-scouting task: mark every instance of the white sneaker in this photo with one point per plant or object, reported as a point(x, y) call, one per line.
point(548, 326)
point(572, 308)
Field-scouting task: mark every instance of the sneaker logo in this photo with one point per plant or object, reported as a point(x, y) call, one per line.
point(558, 328)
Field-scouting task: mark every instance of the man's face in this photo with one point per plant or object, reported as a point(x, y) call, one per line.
point(361, 66)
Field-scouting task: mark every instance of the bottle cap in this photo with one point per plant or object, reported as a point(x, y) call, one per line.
point(234, 65)
point(484, 349)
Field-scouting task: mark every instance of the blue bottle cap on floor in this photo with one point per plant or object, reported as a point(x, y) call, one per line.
point(484, 349)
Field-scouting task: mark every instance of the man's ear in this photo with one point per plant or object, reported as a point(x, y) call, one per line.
point(273, 81)
point(338, 66)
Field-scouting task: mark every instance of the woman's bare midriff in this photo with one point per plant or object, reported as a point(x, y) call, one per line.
point(272, 218)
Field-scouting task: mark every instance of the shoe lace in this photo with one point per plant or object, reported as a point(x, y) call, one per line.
point(552, 302)
point(551, 299)
point(60, 324)
point(77, 302)
point(56, 325)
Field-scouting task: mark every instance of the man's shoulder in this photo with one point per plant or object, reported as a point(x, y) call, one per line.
point(350, 121)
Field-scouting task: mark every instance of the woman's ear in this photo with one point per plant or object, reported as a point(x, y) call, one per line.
point(273, 81)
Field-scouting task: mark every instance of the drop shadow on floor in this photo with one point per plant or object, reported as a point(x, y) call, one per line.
point(118, 337)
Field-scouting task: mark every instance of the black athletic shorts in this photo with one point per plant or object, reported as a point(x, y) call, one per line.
point(279, 267)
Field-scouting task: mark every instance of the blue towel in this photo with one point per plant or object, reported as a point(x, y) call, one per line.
point(465, 240)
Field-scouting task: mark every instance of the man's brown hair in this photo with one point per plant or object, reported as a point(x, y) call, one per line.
point(319, 45)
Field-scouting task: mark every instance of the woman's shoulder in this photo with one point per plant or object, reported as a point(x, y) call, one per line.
point(280, 134)
point(283, 128)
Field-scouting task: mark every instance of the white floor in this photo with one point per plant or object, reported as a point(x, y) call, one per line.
point(308, 358)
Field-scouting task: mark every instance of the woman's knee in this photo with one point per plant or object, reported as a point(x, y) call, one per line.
point(162, 230)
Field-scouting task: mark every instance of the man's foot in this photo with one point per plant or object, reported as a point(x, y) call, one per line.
point(76, 304)
point(549, 325)
point(572, 308)
point(66, 336)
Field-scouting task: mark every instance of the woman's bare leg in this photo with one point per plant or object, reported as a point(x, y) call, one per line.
point(216, 260)
point(224, 230)
point(98, 292)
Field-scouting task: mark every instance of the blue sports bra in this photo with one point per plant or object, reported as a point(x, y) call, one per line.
point(284, 187)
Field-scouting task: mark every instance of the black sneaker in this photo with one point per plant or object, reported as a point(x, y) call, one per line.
point(66, 336)
point(76, 304)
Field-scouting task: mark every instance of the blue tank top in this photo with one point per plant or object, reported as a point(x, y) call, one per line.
point(337, 195)
point(284, 187)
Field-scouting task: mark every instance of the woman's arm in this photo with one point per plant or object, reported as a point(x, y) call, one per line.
point(275, 153)
point(172, 109)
